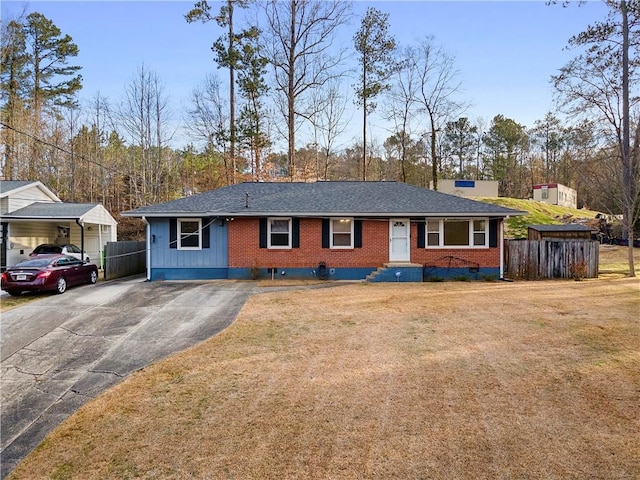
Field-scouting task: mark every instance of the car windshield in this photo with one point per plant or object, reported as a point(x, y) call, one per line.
point(35, 262)
point(48, 249)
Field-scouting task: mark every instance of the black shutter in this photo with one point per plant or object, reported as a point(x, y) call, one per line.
point(173, 233)
point(422, 243)
point(295, 233)
point(325, 233)
point(494, 224)
point(263, 233)
point(357, 234)
point(206, 224)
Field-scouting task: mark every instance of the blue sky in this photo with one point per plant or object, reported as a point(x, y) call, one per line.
point(505, 51)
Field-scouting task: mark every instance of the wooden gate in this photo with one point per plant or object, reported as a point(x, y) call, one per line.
point(537, 259)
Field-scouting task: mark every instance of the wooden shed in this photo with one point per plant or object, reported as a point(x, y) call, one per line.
point(570, 231)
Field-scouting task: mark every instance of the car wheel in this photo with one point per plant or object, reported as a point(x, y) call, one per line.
point(14, 293)
point(61, 285)
point(93, 278)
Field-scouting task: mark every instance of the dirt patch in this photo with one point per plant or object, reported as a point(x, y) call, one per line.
point(451, 380)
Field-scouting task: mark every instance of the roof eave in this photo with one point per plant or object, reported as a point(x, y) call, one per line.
point(318, 214)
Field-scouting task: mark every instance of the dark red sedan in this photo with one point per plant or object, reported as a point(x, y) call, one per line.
point(47, 272)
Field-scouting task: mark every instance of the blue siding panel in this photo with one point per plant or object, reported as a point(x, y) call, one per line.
point(399, 274)
point(300, 273)
point(163, 257)
point(189, 274)
point(441, 273)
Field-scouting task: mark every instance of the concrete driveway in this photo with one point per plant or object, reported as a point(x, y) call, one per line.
point(60, 351)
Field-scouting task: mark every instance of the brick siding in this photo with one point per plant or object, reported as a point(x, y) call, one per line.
point(245, 251)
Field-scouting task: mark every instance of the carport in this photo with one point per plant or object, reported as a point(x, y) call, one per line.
point(32, 214)
point(89, 226)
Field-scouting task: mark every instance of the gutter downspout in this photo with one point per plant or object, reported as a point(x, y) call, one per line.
point(81, 225)
point(148, 253)
point(502, 247)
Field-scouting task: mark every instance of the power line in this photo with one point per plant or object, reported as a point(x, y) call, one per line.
point(57, 147)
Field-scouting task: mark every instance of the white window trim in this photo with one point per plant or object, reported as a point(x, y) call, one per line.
point(441, 244)
point(279, 247)
point(341, 247)
point(472, 232)
point(179, 235)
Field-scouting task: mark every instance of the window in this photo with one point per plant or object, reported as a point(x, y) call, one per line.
point(189, 234)
point(433, 233)
point(545, 192)
point(342, 233)
point(457, 233)
point(479, 233)
point(279, 233)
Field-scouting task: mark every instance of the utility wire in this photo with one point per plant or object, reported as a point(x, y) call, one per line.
point(57, 147)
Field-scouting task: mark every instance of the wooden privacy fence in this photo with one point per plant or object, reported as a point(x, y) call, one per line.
point(536, 259)
point(122, 259)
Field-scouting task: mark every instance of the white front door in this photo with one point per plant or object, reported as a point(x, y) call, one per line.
point(399, 247)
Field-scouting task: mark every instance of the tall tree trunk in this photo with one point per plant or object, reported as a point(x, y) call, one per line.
point(232, 96)
point(291, 95)
point(628, 180)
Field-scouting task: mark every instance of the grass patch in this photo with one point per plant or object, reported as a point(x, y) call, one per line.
point(7, 302)
point(614, 263)
point(539, 213)
point(532, 380)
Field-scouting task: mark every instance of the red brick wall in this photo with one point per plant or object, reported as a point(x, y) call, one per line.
point(486, 257)
point(245, 251)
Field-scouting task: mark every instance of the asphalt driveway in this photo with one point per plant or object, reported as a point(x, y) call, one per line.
point(60, 351)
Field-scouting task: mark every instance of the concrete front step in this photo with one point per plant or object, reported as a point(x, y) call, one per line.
point(396, 272)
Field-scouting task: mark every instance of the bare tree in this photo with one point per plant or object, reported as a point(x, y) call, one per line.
point(301, 50)
point(439, 83)
point(144, 117)
point(207, 119)
point(401, 110)
point(599, 83)
point(328, 124)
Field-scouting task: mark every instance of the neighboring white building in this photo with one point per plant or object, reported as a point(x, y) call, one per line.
point(556, 194)
point(468, 188)
point(31, 214)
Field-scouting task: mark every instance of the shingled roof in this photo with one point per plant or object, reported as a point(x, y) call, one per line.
point(59, 210)
point(323, 199)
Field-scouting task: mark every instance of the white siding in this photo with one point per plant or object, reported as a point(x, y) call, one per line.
point(24, 237)
point(99, 215)
point(556, 195)
point(21, 198)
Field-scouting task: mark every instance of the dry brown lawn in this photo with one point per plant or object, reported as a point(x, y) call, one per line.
point(524, 380)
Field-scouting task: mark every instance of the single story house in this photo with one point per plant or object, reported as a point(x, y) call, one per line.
point(380, 231)
point(468, 188)
point(555, 194)
point(31, 214)
point(569, 231)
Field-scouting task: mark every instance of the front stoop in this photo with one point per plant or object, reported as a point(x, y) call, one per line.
point(396, 272)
